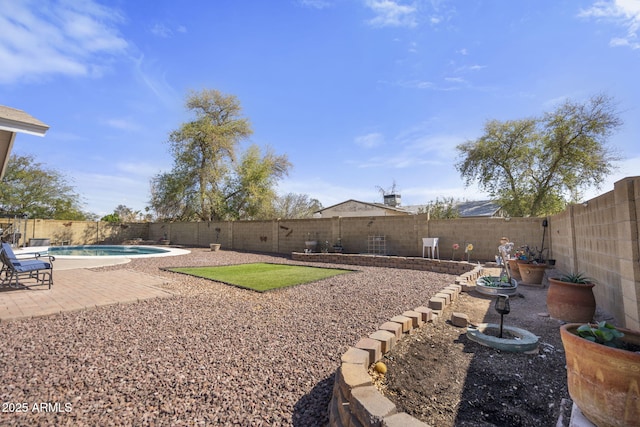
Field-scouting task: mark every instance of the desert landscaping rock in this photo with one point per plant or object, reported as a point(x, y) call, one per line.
point(210, 355)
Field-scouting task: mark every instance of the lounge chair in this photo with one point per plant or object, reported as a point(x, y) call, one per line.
point(37, 267)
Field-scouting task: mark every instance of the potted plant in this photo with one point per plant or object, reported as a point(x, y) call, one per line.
point(165, 240)
point(570, 298)
point(310, 244)
point(215, 246)
point(530, 266)
point(337, 247)
point(603, 372)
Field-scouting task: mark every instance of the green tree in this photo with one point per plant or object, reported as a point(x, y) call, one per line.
point(207, 181)
point(446, 208)
point(295, 206)
point(126, 214)
point(121, 213)
point(535, 166)
point(28, 187)
point(250, 190)
point(112, 218)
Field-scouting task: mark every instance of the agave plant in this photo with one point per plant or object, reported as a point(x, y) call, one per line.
point(575, 278)
point(601, 333)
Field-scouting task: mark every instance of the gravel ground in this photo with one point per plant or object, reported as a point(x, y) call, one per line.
point(211, 355)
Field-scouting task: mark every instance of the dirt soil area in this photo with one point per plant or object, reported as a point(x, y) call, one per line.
point(439, 376)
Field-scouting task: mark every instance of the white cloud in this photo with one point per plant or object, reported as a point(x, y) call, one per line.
point(165, 32)
point(415, 147)
point(315, 4)
point(370, 140)
point(148, 75)
point(140, 168)
point(70, 38)
point(161, 30)
point(389, 13)
point(468, 68)
point(123, 124)
point(625, 13)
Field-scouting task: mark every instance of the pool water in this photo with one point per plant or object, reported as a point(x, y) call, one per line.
point(105, 250)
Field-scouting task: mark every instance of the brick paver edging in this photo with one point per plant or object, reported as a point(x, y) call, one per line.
point(355, 400)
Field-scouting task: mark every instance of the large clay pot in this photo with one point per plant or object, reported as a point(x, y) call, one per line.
point(603, 381)
point(513, 268)
point(532, 274)
point(571, 302)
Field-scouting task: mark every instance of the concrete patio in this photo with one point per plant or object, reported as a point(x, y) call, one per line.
point(76, 287)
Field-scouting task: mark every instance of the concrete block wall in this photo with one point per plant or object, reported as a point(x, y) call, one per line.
point(78, 232)
point(484, 234)
point(627, 202)
point(561, 237)
point(599, 238)
point(355, 401)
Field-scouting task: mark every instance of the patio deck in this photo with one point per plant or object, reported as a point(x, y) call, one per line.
point(77, 288)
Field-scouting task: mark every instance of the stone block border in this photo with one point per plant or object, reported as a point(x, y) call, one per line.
point(409, 263)
point(355, 400)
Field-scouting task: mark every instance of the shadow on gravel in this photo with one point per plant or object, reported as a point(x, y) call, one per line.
point(313, 408)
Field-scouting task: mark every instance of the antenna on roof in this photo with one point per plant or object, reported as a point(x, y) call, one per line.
point(390, 197)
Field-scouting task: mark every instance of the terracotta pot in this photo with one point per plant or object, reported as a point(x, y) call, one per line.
point(603, 381)
point(513, 267)
point(532, 274)
point(571, 302)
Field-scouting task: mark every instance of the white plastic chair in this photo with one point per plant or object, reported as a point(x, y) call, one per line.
point(431, 245)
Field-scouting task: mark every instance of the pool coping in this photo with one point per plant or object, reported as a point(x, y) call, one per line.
point(171, 251)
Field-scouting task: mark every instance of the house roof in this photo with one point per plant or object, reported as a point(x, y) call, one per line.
point(14, 121)
point(377, 205)
point(478, 208)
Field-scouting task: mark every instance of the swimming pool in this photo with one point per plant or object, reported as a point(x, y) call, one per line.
point(81, 251)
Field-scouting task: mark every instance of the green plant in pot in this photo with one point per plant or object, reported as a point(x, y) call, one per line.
point(603, 372)
point(570, 298)
point(530, 266)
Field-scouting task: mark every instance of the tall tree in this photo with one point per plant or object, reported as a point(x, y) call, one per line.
point(294, 206)
point(28, 187)
point(251, 188)
point(535, 166)
point(207, 181)
point(122, 213)
point(446, 208)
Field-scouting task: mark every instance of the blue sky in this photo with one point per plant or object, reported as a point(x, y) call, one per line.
point(358, 93)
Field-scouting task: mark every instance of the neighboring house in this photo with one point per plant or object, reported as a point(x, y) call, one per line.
point(481, 208)
point(356, 208)
point(351, 208)
point(13, 121)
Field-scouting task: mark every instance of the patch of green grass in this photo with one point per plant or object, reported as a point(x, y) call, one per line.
point(261, 276)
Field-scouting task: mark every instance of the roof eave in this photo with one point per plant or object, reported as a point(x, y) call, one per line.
point(22, 127)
